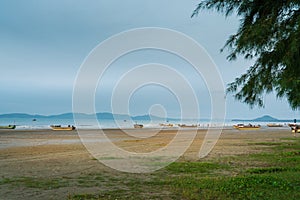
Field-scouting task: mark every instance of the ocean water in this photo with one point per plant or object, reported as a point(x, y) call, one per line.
point(44, 123)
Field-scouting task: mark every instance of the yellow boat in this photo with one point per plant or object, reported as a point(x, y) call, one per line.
point(248, 127)
point(295, 128)
point(274, 125)
point(8, 127)
point(62, 128)
point(238, 125)
point(295, 131)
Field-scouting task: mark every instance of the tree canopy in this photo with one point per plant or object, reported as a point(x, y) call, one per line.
point(269, 32)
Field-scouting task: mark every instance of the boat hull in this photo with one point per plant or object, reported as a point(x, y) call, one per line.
point(238, 125)
point(60, 128)
point(8, 127)
point(166, 125)
point(274, 125)
point(295, 128)
point(187, 126)
point(138, 125)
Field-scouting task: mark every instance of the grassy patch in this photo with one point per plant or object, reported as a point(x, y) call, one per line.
point(116, 194)
point(110, 158)
point(240, 187)
point(272, 170)
point(273, 174)
point(266, 143)
point(288, 146)
point(289, 138)
point(40, 183)
point(195, 167)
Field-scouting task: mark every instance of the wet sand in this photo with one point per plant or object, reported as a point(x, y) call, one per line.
point(47, 153)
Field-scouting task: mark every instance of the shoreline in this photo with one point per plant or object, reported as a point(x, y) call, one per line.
point(37, 137)
point(227, 127)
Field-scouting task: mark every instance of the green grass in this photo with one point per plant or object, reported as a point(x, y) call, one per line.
point(273, 174)
point(267, 143)
point(195, 167)
point(273, 170)
point(239, 187)
point(30, 182)
point(289, 138)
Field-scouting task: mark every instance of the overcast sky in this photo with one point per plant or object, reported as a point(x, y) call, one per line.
point(44, 43)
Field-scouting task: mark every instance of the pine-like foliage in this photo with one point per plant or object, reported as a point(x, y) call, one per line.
point(269, 32)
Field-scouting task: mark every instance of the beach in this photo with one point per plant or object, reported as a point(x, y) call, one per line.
point(57, 155)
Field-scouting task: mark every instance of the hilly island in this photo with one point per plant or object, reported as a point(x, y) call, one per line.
point(265, 118)
point(104, 115)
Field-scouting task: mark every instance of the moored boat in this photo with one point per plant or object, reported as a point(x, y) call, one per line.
point(8, 127)
point(292, 124)
point(138, 125)
point(238, 125)
point(187, 126)
point(295, 128)
point(248, 127)
point(274, 125)
point(62, 128)
point(166, 125)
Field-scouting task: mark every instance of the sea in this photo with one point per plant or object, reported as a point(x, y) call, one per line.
point(44, 123)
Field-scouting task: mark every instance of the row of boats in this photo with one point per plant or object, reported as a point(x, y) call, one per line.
point(237, 126)
point(70, 128)
point(53, 127)
point(169, 125)
point(294, 127)
point(246, 127)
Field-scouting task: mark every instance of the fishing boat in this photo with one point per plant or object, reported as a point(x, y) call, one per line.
point(295, 128)
point(274, 125)
point(292, 124)
point(166, 125)
point(238, 125)
point(187, 126)
point(138, 125)
point(8, 127)
point(62, 128)
point(248, 127)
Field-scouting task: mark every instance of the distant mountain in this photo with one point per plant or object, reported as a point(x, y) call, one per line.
point(105, 115)
point(28, 116)
point(110, 116)
point(63, 116)
point(147, 117)
point(265, 118)
point(20, 115)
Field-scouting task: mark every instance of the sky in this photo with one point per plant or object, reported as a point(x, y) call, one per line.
point(44, 43)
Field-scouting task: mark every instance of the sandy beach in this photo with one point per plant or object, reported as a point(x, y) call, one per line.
point(56, 154)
